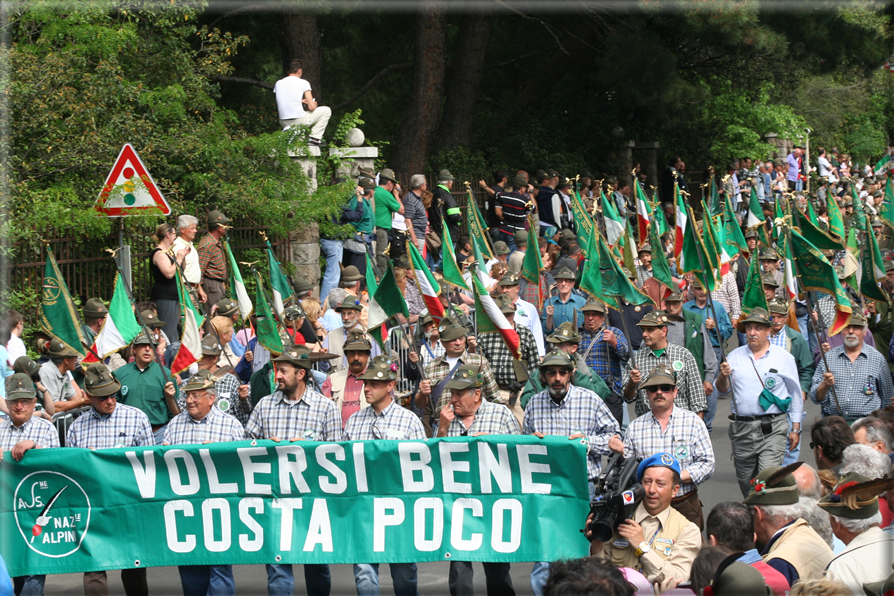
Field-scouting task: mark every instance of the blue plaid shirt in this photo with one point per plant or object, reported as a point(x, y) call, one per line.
point(313, 417)
point(862, 386)
point(394, 422)
point(124, 427)
point(603, 359)
point(581, 411)
point(564, 311)
point(39, 430)
point(215, 427)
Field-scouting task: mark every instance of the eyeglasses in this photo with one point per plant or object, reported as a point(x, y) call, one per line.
point(560, 372)
point(662, 388)
point(107, 397)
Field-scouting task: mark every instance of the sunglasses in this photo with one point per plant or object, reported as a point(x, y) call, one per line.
point(107, 397)
point(662, 388)
point(552, 372)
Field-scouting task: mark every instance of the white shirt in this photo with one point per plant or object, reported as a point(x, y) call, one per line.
point(289, 93)
point(779, 373)
point(16, 349)
point(398, 222)
point(191, 269)
point(865, 560)
point(526, 314)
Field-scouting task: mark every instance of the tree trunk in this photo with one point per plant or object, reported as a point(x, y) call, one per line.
point(465, 82)
point(300, 38)
point(414, 140)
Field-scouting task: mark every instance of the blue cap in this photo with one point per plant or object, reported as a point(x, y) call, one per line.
point(662, 460)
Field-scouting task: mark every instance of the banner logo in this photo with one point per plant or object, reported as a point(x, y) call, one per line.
point(38, 497)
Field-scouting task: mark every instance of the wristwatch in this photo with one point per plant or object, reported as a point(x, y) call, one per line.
point(642, 549)
point(797, 431)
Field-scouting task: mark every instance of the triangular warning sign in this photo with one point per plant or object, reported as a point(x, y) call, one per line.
point(130, 190)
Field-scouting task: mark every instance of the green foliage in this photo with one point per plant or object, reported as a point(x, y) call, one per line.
point(463, 163)
point(347, 122)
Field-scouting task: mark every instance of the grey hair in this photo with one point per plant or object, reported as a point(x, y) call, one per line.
point(865, 460)
point(815, 491)
point(817, 518)
point(858, 526)
point(876, 430)
point(336, 297)
point(416, 181)
point(184, 221)
point(781, 513)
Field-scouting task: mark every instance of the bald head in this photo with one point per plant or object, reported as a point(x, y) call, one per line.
point(808, 482)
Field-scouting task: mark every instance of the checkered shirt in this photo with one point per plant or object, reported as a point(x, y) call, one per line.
point(438, 369)
point(313, 417)
point(394, 422)
point(39, 430)
point(492, 347)
point(226, 390)
point(827, 308)
point(211, 258)
point(728, 295)
point(686, 437)
point(581, 411)
point(415, 303)
point(603, 359)
point(530, 292)
point(126, 426)
point(490, 419)
point(691, 392)
point(778, 339)
point(429, 353)
point(642, 274)
point(216, 427)
point(862, 386)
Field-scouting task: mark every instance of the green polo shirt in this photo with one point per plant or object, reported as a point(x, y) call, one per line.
point(386, 204)
point(365, 225)
point(145, 390)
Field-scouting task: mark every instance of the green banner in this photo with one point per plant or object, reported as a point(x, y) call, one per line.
point(488, 498)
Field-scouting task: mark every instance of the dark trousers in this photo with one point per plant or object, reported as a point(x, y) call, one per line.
point(499, 583)
point(690, 507)
point(215, 291)
point(96, 583)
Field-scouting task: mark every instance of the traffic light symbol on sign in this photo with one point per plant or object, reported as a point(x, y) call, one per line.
point(130, 189)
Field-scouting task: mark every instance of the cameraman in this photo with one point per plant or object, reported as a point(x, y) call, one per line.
point(657, 541)
point(666, 428)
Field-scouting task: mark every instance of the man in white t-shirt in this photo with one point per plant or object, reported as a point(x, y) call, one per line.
point(297, 106)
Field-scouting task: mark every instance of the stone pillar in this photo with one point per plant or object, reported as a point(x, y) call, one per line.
point(308, 164)
point(623, 156)
point(354, 156)
point(304, 253)
point(647, 152)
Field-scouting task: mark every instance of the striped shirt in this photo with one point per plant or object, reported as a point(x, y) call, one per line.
point(394, 422)
point(490, 419)
point(215, 427)
point(312, 417)
point(211, 258)
point(603, 359)
point(39, 430)
point(124, 427)
point(580, 411)
point(686, 437)
point(515, 209)
point(861, 386)
point(226, 389)
point(691, 392)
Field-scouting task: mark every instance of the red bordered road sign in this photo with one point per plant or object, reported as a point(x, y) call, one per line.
point(130, 190)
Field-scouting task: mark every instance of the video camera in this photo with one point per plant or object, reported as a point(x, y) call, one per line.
point(617, 494)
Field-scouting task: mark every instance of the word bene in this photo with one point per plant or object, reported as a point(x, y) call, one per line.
point(472, 493)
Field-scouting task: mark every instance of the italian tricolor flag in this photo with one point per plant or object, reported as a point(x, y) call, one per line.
point(427, 284)
point(681, 219)
point(495, 321)
point(191, 340)
point(614, 228)
point(237, 286)
point(119, 329)
point(643, 212)
point(386, 302)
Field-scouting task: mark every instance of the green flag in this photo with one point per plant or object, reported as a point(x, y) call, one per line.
point(533, 264)
point(693, 247)
point(754, 296)
point(237, 286)
point(661, 270)
point(386, 302)
point(836, 222)
point(628, 253)
point(859, 213)
point(817, 274)
point(755, 216)
point(58, 314)
point(886, 211)
point(279, 283)
point(811, 214)
point(780, 214)
point(615, 283)
point(372, 285)
point(852, 256)
point(717, 205)
point(713, 246)
point(873, 270)
point(614, 227)
point(818, 237)
point(582, 222)
point(449, 267)
point(732, 233)
point(268, 334)
point(477, 229)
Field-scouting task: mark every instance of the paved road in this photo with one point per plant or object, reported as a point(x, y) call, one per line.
point(251, 579)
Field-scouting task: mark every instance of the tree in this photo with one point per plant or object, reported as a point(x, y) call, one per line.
point(300, 38)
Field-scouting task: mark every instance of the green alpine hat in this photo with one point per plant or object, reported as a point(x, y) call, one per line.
point(877, 222)
point(450, 330)
point(880, 588)
point(199, 381)
point(593, 305)
point(217, 217)
point(757, 315)
point(297, 355)
point(210, 346)
point(349, 303)
point(350, 274)
point(660, 375)
point(445, 176)
point(143, 339)
point(768, 255)
point(465, 377)
point(675, 296)
point(510, 279)
point(357, 341)
point(504, 303)
point(380, 368)
point(769, 280)
point(855, 496)
point(778, 306)
point(95, 309)
point(151, 320)
point(99, 382)
point(387, 174)
point(403, 262)
point(520, 237)
point(26, 366)
point(365, 171)
point(557, 358)
point(366, 183)
point(301, 285)
point(775, 485)
point(645, 248)
point(501, 248)
point(565, 273)
point(519, 181)
point(889, 265)
point(564, 333)
point(227, 307)
point(750, 233)
point(58, 349)
point(655, 318)
point(20, 386)
point(737, 579)
point(857, 318)
point(293, 313)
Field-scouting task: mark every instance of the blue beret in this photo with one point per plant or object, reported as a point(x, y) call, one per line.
point(663, 460)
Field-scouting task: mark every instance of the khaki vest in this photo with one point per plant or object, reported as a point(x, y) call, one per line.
point(803, 548)
point(339, 381)
point(662, 545)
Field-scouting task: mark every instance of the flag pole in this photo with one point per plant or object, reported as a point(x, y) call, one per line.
point(279, 321)
point(788, 237)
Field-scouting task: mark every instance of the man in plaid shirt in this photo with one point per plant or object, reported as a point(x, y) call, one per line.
point(468, 414)
point(604, 348)
point(213, 260)
point(667, 429)
point(657, 351)
point(570, 411)
point(231, 396)
point(202, 422)
point(492, 347)
point(295, 412)
point(107, 425)
point(383, 419)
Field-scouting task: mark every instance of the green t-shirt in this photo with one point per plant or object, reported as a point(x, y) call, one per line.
point(386, 204)
point(145, 390)
point(365, 225)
